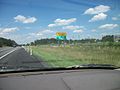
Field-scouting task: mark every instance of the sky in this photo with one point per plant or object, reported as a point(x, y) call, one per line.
point(27, 20)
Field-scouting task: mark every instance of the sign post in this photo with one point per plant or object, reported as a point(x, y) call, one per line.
point(61, 36)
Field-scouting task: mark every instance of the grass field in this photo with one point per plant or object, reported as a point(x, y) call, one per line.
point(67, 56)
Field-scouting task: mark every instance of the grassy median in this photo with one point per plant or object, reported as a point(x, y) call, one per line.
point(67, 56)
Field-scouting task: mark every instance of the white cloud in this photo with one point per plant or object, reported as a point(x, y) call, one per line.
point(99, 12)
point(51, 25)
point(114, 18)
point(35, 34)
point(78, 31)
point(8, 30)
point(23, 19)
point(22, 38)
point(97, 9)
point(47, 31)
point(100, 16)
point(93, 30)
point(71, 27)
point(62, 22)
point(108, 26)
point(31, 34)
point(27, 27)
point(39, 34)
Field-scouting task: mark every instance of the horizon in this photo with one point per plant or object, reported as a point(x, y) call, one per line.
point(29, 20)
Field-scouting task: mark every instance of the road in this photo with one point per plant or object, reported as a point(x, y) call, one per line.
point(17, 57)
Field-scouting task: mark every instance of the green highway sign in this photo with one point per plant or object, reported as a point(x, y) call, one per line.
point(61, 37)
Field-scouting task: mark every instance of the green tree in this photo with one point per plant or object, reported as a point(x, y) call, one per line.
point(108, 38)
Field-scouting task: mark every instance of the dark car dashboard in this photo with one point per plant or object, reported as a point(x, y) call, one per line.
point(88, 79)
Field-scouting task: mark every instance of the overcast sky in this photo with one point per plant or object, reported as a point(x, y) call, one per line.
point(27, 20)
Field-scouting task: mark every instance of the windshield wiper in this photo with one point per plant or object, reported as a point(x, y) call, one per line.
point(94, 66)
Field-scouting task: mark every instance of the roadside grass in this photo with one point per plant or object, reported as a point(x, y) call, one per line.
point(67, 56)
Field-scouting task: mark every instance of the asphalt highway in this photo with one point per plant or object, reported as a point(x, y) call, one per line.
point(18, 58)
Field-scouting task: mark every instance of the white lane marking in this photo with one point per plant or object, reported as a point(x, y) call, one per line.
point(1, 50)
point(8, 53)
point(118, 69)
point(5, 49)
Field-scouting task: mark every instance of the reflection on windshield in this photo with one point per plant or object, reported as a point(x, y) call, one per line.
point(40, 34)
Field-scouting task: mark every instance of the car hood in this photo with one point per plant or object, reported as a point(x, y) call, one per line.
point(63, 80)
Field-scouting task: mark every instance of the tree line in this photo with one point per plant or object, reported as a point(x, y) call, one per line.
point(7, 42)
point(107, 38)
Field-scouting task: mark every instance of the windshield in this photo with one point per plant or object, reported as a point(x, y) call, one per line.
point(40, 34)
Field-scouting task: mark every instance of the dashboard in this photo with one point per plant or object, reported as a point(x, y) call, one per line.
point(62, 80)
